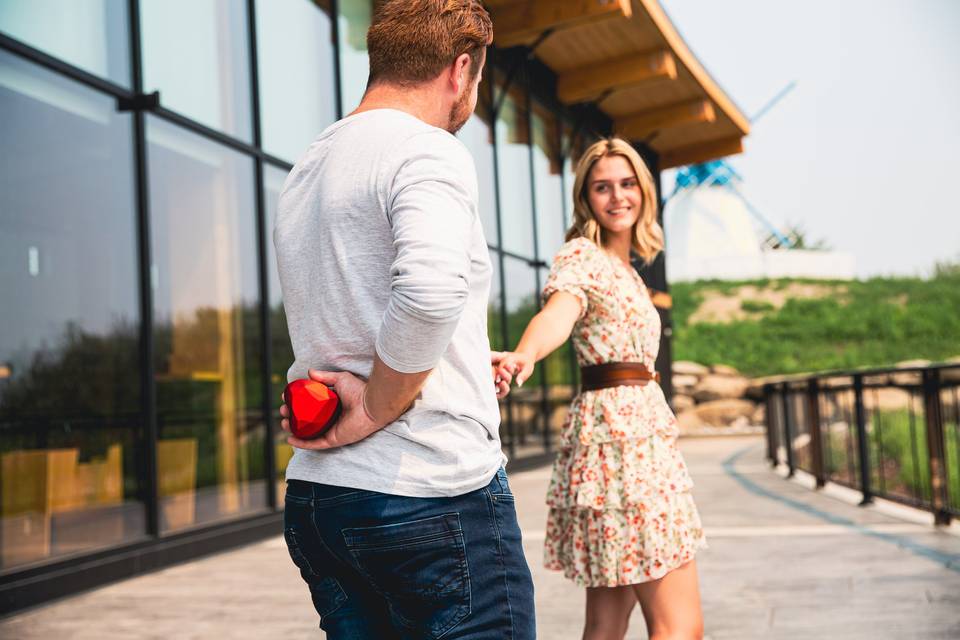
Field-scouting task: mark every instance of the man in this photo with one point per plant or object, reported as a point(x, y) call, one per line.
point(400, 518)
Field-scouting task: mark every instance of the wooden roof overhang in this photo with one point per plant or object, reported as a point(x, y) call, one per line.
point(626, 57)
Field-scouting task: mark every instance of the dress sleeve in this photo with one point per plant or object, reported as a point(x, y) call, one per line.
point(576, 270)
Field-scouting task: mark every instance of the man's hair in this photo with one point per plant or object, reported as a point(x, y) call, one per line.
point(412, 41)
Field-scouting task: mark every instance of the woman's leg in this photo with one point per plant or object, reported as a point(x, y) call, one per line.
point(671, 605)
point(608, 612)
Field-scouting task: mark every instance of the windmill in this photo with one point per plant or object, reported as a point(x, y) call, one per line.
point(714, 231)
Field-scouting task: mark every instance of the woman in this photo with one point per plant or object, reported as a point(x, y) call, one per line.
point(622, 521)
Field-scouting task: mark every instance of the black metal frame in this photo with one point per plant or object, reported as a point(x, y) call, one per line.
point(31, 584)
point(816, 388)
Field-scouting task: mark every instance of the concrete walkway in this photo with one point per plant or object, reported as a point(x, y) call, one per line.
point(783, 562)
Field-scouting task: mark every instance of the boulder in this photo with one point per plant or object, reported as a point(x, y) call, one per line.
point(684, 382)
point(724, 370)
point(912, 378)
point(951, 375)
point(755, 390)
point(714, 387)
point(681, 402)
point(689, 421)
point(888, 399)
point(685, 367)
point(759, 415)
point(720, 413)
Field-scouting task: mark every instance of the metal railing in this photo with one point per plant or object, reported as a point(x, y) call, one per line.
point(888, 433)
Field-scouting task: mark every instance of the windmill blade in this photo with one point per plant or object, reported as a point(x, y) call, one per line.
point(758, 215)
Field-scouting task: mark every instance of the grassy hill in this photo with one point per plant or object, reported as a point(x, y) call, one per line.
point(770, 327)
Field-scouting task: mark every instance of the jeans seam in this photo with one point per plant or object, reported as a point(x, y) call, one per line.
point(491, 502)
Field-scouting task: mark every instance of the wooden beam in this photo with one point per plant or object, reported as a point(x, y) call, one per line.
point(521, 22)
point(710, 150)
point(590, 81)
point(642, 124)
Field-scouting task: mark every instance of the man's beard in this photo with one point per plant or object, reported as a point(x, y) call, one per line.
point(459, 113)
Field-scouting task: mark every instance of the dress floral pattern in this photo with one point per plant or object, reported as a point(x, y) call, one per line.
point(621, 511)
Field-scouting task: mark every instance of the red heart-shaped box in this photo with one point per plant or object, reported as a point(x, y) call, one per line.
point(314, 407)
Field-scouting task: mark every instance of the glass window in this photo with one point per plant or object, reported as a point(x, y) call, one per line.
point(207, 333)
point(522, 305)
point(196, 54)
point(477, 135)
point(295, 55)
point(70, 430)
point(513, 166)
point(281, 351)
point(89, 34)
point(353, 20)
point(547, 167)
point(494, 319)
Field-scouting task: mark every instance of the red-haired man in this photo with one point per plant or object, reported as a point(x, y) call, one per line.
point(400, 518)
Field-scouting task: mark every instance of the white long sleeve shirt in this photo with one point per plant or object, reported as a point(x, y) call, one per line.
point(380, 250)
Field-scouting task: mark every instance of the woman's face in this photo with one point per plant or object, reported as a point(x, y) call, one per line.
point(613, 193)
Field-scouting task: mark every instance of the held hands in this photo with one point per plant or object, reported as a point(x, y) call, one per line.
point(354, 424)
point(512, 365)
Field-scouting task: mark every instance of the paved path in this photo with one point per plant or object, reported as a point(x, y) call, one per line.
point(784, 562)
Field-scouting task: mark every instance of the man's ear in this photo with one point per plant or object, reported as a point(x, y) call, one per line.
point(461, 72)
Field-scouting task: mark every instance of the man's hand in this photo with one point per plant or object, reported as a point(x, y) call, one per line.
point(354, 423)
point(502, 383)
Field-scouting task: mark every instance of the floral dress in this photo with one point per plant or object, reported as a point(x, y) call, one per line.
point(621, 511)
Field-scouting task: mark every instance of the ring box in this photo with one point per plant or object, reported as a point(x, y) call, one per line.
point(314, 408)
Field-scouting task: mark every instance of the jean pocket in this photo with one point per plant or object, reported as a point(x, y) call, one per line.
point(500, 488)
point(325, 591)
point(420, 567)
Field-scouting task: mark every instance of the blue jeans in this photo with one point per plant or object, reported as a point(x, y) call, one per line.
point(382, 566)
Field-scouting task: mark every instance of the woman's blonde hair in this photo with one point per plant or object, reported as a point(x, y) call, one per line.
point(647, 234)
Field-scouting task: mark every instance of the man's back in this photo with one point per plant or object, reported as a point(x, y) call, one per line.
point(377, 235)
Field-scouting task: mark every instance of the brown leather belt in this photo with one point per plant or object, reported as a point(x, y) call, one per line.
point(615, 374)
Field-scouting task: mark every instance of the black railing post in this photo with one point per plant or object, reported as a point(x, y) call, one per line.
point(935, 446)
point(768, 415)
point(787, 429)
point(863, 445)
point(813, 424)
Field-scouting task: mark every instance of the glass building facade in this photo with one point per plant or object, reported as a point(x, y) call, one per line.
point(143, 343)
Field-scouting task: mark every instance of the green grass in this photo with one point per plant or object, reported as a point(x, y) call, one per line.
point(874, 322)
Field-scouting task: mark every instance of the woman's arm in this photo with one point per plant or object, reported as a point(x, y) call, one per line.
point(546, 332)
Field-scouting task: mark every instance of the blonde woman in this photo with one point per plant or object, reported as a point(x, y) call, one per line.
point(622, 521)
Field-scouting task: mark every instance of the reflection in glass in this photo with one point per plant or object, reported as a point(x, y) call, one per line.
point(70, 430)
point(522, 305)
point(494, 318)
point(513, 170)
point(476, 135)
point(295, 55)
point(90, 34)
point(207, 331)
point(281, 351)
point(353, 20)
point(547, 161)
point(196, 55)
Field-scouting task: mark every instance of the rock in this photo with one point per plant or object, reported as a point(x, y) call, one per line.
point(886, 399)
point(682, 402)
point(724, 412)
point(755, 390)
point(724, 370)
point(685, 367)
point(759, 415)
point(689, 420)
point(714, 387)
point(951, 375)
point(911, 378)
point(684, 382)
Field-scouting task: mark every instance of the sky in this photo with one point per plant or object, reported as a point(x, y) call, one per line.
point(863, 152)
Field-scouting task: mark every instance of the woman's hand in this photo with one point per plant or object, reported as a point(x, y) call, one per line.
point(516, 364)
point(502, 383)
